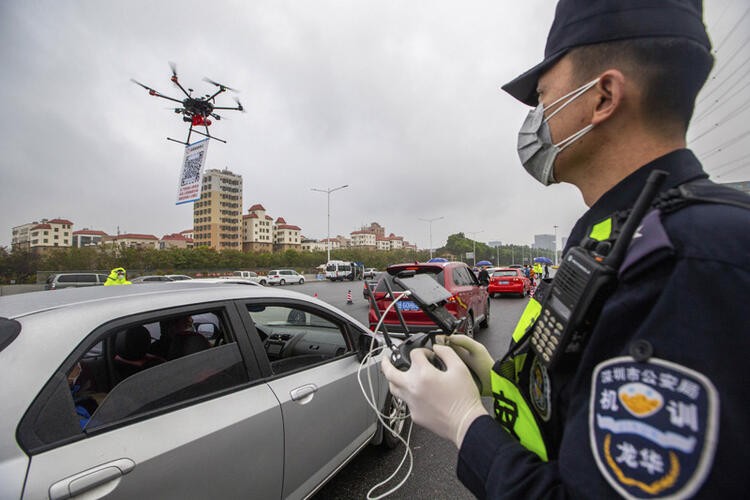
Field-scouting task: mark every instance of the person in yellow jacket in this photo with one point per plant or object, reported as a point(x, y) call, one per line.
point(117, 277)
point(538, 270)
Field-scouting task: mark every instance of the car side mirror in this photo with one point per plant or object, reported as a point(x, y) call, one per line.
point(366, 342)
point(207, 329)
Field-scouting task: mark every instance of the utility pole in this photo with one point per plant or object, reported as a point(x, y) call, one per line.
point(555, 245)
point(430, 221)
point(328, 234)
point(474, 244)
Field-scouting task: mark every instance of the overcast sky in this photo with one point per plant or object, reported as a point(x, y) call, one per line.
point(399, 100)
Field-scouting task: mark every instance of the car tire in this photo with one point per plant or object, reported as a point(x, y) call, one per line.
point(469, 328)
point(486, 321)
point(301, 281)
point(282, 282)
point(262, 282)
point(395, 417)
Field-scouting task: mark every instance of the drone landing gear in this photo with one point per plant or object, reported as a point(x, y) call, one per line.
point(193, 131)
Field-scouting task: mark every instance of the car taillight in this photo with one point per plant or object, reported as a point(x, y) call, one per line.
point(516, 280)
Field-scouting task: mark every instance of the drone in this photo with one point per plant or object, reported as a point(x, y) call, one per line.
point(197, 111)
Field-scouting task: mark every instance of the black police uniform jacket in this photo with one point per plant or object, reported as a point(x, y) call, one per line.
point(688, 302)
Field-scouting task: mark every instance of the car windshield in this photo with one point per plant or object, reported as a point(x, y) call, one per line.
point(505, 273)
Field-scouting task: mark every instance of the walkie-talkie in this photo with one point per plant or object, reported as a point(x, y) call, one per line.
point(582, 284)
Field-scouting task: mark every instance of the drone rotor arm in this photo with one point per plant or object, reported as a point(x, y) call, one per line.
point(221, 86)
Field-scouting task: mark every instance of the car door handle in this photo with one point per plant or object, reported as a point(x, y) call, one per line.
point(89, 479)
point(303, 394)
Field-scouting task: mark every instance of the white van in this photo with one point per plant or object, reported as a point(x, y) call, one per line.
point(284, 276)
point(338, 270)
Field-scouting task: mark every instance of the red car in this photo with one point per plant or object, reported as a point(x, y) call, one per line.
point(509, 280)
point(469, 299)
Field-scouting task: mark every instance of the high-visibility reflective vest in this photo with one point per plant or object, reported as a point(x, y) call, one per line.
point(511, 408)
point(510, 376)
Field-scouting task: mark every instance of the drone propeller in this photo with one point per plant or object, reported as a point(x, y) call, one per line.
point(144, 86)
point(173, 67)
point(239, 105)
point(220, 85)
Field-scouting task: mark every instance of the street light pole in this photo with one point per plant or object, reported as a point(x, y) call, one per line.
point(328, 233)
point(430, 221)
point(474, 244)
point(555, 245)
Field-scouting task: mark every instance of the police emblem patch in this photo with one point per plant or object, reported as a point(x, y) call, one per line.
point(652, 426)
point(539, 389)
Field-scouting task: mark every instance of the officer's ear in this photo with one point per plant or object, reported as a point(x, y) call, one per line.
point(609, 94)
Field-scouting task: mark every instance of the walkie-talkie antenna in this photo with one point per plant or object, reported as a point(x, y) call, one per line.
point(642, 204)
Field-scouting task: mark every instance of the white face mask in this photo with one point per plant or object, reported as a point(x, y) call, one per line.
point(535, 147)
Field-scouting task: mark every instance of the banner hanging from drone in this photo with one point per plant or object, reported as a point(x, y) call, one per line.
point(189, 188)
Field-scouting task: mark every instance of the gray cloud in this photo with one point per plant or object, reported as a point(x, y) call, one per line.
point(398, 100)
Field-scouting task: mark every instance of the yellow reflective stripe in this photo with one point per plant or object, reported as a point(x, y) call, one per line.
point(530, 314)
point(512, 411)
point(601, 230)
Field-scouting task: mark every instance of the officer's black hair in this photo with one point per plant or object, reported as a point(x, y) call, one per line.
point(671, 72)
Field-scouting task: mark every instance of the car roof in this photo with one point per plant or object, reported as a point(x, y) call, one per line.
point(129, 299)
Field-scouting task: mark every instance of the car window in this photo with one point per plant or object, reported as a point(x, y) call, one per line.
point(294, 337)
point(135, 370)
point(67, 278)
point(461, 276)
point(504, 273)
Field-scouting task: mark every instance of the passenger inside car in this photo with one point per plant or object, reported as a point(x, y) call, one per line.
point(131, 352)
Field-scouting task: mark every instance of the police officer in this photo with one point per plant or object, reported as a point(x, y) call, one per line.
point(117, 276)
point(653, 402)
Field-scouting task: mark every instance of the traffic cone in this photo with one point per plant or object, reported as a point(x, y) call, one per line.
point(315, 295)
point(349, 297)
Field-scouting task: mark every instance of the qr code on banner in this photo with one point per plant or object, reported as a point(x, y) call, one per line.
point(192, 170)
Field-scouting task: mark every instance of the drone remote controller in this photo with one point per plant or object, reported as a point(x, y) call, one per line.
point(581, 286)
point(401, 354)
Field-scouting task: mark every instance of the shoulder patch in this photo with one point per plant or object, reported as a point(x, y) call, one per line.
point(647, 239)
point(653, 427)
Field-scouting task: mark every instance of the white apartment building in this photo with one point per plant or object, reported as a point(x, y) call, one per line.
point(38, 236)
point(257, 230)
point(286, 236)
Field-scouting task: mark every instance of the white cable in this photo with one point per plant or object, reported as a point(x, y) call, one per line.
point(372, 402)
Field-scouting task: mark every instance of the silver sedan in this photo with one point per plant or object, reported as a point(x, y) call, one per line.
point(182, 390)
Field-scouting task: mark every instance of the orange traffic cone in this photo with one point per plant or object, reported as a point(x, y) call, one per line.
point(349, 297)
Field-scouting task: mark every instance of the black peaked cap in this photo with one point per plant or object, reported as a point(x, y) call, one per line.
point(587, 22)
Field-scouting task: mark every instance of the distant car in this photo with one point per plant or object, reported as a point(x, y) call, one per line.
point(370, 272)
point(469, 300)
point(250, 275)
point(509, 280)
point(247, 403)
point(151, 279)
point(284, 276)
point(178, 277)
point(229, 280)
point(74, 280)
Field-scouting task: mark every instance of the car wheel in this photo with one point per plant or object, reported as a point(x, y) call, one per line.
point(282, 282)
point(396, 419)
point(469, 328)
point(486, 321)
point(263, 282)
point(301, 281)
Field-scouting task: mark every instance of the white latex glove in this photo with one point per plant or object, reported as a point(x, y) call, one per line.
point(476, 357)
point(445, 402)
